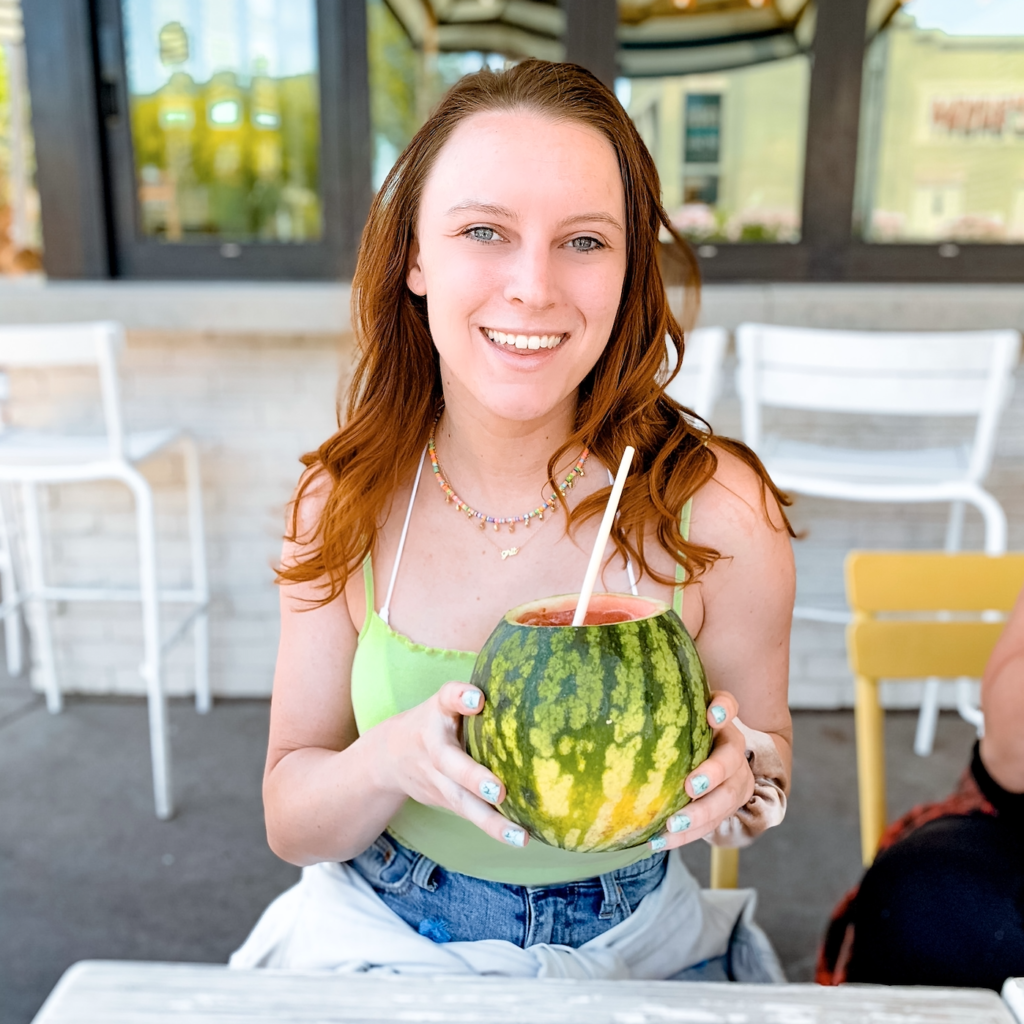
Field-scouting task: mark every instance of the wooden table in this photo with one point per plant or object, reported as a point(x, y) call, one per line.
point(129, 992)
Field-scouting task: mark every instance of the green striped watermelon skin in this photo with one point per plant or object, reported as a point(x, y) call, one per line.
point(592, 729)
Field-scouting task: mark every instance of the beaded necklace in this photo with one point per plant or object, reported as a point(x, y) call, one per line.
point(498, 521)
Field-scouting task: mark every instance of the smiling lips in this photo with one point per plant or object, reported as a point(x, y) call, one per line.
point(527, 341)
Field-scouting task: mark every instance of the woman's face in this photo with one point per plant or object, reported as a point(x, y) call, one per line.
point(521, 253)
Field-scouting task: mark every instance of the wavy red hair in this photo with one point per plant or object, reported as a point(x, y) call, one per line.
point(396, 393)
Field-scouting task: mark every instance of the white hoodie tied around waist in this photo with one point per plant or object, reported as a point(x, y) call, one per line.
point(332, 920)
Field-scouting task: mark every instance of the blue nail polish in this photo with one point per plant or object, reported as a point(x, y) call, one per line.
point(718, 714)
point(489, 791)
point(514, 836)
point(471, 698)
point(700, 784)
point(678, 823)
point(659, 843)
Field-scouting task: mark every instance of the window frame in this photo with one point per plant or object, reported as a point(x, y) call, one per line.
point(829, 250)
point(86, 182)
point(344, 158)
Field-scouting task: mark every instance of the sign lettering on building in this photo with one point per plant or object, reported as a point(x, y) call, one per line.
point(978, 116)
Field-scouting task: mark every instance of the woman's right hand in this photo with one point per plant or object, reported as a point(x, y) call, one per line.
point(423, 759)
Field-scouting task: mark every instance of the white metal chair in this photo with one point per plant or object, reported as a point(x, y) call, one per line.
point(699, 382)
point(965, 374)
point(34, 458)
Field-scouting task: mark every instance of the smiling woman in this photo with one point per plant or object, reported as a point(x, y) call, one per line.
point(512, 320)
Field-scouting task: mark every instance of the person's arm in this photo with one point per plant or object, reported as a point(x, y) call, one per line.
point(743, 641)
point(1002, 701)
point(328, 792)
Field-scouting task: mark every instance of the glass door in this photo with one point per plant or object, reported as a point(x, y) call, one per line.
point(222, 122)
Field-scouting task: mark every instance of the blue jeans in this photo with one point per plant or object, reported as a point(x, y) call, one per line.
point(450, 907)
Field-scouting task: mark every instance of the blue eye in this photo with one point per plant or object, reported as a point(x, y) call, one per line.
point(586, 243)
point(481, 234)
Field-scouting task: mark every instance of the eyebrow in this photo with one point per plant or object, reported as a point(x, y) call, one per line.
point(496, 210)
point(479, 207)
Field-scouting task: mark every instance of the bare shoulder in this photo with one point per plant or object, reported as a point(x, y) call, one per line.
point(305, 509)
point(736, 507)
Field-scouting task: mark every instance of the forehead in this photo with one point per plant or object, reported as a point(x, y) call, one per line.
point(522, 158)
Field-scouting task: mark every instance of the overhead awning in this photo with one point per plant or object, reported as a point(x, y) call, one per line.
point(515, 28)
point(679, 37)
point(655, 37)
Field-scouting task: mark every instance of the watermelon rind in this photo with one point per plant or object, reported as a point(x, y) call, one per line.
point(592, 729)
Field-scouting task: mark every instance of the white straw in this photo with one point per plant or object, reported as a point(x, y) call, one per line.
point(597, 555)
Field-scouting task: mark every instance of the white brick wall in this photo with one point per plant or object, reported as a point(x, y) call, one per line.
point(254, 404)
point(256, 401)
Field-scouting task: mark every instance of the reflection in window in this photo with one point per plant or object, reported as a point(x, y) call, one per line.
point(20, 233)
point(718, 91)
point(729, 148)
point(418, 49)
point(225, 119)
point(942, 125)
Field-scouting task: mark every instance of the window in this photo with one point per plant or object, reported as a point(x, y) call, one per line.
point(224, 109)
point(206, 139)
point(728, 139)
point(418, 49)
point(20, 235)
point(942, 125)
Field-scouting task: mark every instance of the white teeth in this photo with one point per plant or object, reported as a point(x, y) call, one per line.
point(524, 341)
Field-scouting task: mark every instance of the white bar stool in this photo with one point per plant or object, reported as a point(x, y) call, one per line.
point(31, 459)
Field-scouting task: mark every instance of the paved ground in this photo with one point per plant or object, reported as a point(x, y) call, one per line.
point(87, 871)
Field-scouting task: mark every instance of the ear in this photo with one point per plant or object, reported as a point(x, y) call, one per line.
point(415, 278)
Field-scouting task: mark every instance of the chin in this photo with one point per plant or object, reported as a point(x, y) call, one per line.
point(519, 407)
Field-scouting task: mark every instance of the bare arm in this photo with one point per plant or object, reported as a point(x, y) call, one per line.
point(743, 642)
point(1002, 700)
point(328, 792)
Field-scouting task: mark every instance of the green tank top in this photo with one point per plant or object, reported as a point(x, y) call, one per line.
point(390, 674)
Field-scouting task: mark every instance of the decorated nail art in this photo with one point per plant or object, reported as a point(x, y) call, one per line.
point(659, 843)
point(471, 698)
point(489, 791)
point(514, 836)
point(678, 823)
point(719, 714)
point(700, 784)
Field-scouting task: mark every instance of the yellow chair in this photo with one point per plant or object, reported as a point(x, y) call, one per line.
point(725, 867)
point(925, 632)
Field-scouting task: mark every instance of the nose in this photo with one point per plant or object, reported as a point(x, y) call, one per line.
point(531, 277)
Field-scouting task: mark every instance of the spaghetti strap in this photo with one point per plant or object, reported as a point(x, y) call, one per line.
point(684, 529)
point(385, 611)
point(629, 561)
point(368, 592)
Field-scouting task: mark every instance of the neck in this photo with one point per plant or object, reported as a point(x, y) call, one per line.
point(497, 465)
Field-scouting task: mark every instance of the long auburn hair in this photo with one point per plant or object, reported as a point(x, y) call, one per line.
point(396, 393)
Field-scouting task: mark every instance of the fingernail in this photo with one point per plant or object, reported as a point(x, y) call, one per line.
point(514, 836)
point(659, 843)
point(719, 714)
point(471, 698)
point(699, 784)
point(489, 791)
point(678, 823)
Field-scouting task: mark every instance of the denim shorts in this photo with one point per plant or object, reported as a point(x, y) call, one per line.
point(450, 907)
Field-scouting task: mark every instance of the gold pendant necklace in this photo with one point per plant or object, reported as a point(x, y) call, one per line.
point(549, 505)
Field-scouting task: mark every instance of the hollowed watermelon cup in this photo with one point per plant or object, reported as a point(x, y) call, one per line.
point(594, 728)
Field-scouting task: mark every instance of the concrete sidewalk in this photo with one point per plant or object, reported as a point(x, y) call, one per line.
point(86, 870)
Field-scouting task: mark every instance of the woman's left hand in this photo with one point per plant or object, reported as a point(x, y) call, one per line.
point(719, 786)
